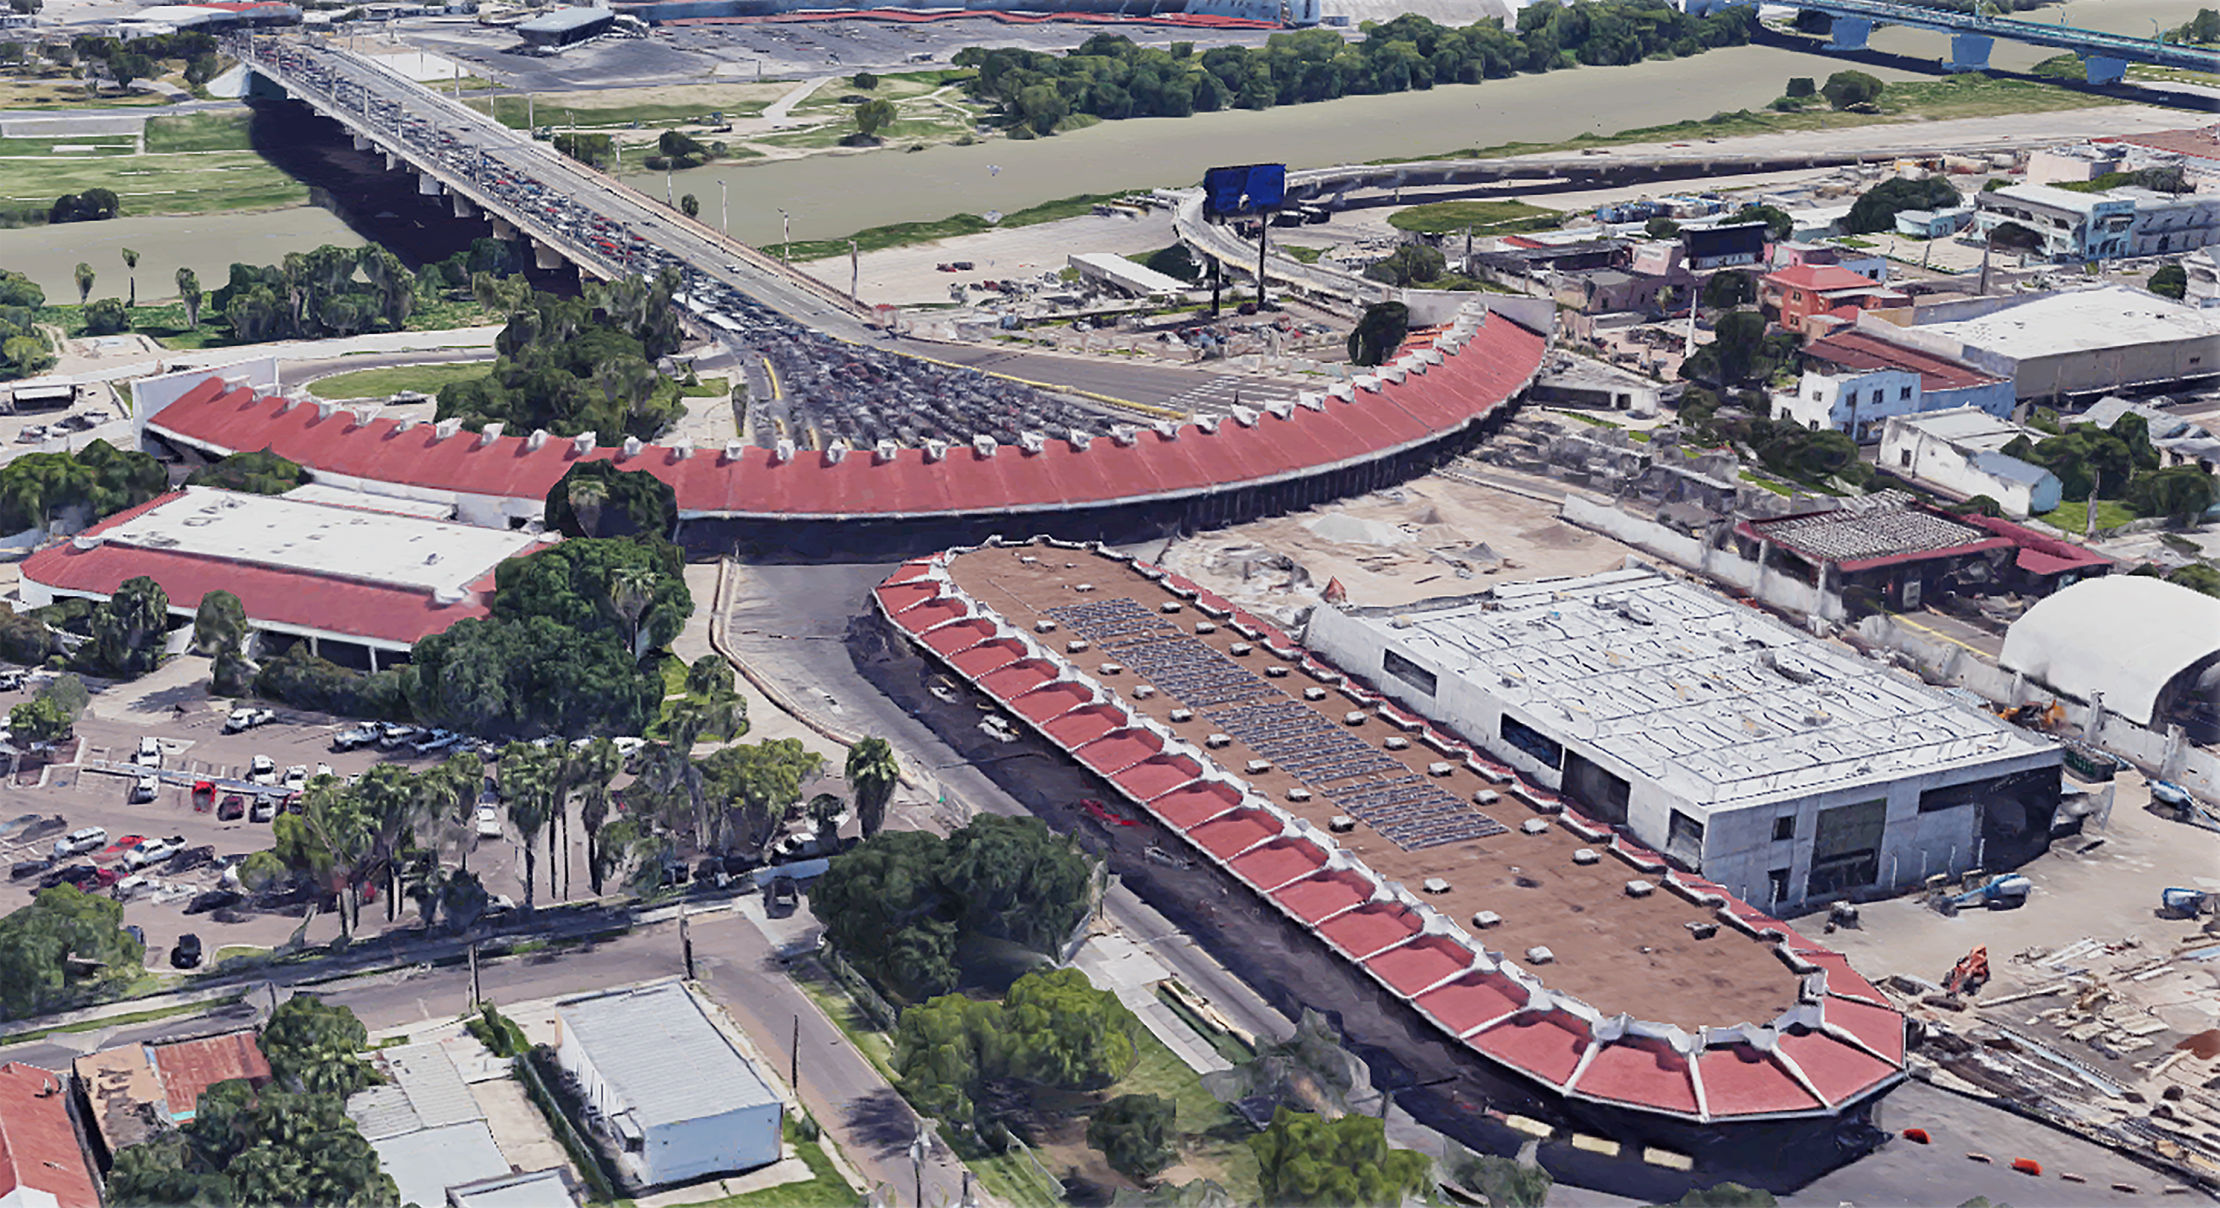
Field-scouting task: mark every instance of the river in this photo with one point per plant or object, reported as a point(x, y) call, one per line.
point(834, 195)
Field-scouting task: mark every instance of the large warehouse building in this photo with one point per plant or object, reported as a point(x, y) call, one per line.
point(2066, 342)
point(1777, 764)
point(1346, 856)
point(360, 587)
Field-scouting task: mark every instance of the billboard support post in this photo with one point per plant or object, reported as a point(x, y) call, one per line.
point(1263, 230)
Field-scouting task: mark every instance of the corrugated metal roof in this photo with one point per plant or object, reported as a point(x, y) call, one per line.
point(425, 1163)
point(382, 1111)
point(563, 20)
point(536, 1189)
point(661, 1056)
point(434, 1087)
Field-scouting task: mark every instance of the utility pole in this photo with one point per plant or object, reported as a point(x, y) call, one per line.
point(686, 941)
point(794, 1061)
point(1263, 231)
point(724, 207)
point(786, 238)
point(855, 274)
point(476, 996)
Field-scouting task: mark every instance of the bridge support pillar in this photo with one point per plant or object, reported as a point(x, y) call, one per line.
point(428, 185)
point(392, 162)
point(545, 257)
point(361, 143)
point(2104, 69)
point(463, 208)
point(502, 229)
point(1969, 52)
point(1850, 33)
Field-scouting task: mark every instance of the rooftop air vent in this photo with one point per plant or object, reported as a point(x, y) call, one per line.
point(1218, 741)
point(1275, 672)
point(584, 442)
point(1143, 691)
point(1314, 694)
point(1486, 797)
point(1440, 769)
point(1075, 646)
point(491, 433)
point(1534, 826)
point(1046, 626)
point(1168, 607)
point(1183, 715)
point(1079, 440)
point(1341, 824)
point(1585, 855)
point(837, 451)
point(935, 450)
point(533, 442)
point(782, 451)
point(1257, 767)
point(1397, 743)
point(1110, 669)
point(1639, 888)
point(1205, 627)
point(1124, 434)
point(1487, 920)
point(1298, 794)
point(1702, 929)
point(984, 446)
point(1354, 717)
point(1434, 885)
point(734, 448)
point(682, 447)
point(1239, 649)
point(1539, 955)
point(630, 449)
point(1080, 586)
point(446, 428)
point(1032, 442)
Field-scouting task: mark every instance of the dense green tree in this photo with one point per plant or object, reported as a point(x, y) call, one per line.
point(864, 81)
point(576, 365)
point(527, 777)
point(2197, 576)
point(1018, 880)
point(758, 782)
point(873, 116)
point(881, 903)
point(1729, 288)
point(1800, 86)
point(131, 269)
point(631, 590)
point(261, 473)
point(1736, 352)
point(872, 773)
point(329, 843)
point(690, 205)
point(1727, 1195)
point(1379, 333)
point(1136, 1134)
point(1877, 207)
point(256, 1149)
point(40, 722)
point(1059, 1030)
point(316, 1047)
point(219, 624)
point(61, 946)
point(2170, 281)
point(2181, 494)
point(106, 317)
point(1507, 1182)
point(306, 681)
point(2086, 457)
point(1661, 227)
point(945, 1050)
point(128, 628)
point(92, 205)
point(1845, 89)
point(1305, 1159)
point(600, 499)
point(1408, 265)
point(2202, 29)
point(98, 480)
point(1778, 225)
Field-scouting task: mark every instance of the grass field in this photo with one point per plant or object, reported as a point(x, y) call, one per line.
point(104, 144)
point(659, 107)
point(2073, 515)
point(378, 383)
point(1969, 95)
point(184, 183)
point(1481, 217)
point(60, 91)
point(902, 234)
point(198, 132)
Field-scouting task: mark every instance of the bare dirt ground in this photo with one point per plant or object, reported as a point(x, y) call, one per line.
point(1410, 543)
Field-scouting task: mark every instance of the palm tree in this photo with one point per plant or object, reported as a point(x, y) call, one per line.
point(597, 765)
point(669, 768)
point(188, 292)
point(450, 795)
point(84, 282)
point(527, 780)
point(873, 772)
point(391, 802)
point(631, 590)
point(587, 497)
point(131, 266)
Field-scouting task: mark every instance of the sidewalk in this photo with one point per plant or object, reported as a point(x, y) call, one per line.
point(765, 719)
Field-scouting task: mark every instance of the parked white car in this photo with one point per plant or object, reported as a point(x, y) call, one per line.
point(489, 822)
point(263, 770)
point(247, 719)
point(78, 842)
point(144, 788)
point(150, 851)
point(149, 754)
point(296, 778)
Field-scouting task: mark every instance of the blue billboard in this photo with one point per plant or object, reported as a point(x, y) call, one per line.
point(1243, 190)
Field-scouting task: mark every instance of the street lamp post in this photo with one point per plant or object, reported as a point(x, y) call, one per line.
point(786, 238)
point(724, 208)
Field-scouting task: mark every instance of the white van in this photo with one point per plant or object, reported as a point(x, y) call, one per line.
point(78, 842)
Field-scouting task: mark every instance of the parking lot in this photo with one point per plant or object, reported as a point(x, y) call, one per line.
point(194, 747)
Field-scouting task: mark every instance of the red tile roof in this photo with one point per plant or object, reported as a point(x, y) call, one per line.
point(1487, 1006)
point(192, 1066)
point(2198, 142)
point(1183, 460)
point(1857, 350)
point(1822, 278)
point(302, 599)
point(39, 1150)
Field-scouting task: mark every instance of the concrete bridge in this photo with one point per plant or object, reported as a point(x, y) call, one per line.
point(2104, 56)
point(569, 214)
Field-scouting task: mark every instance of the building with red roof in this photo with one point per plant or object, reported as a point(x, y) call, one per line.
point(1890, 549)
point(367, 584)
point(1791, 295)
point(42, 1162)
point(1350, 437)
point(1856, 379)
point(1355, 859)
point(138, 1091)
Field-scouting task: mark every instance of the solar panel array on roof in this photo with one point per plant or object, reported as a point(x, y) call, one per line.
point(1409, 811)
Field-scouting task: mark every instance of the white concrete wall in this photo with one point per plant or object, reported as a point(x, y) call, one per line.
point(1909, 450)
point(1854, 404)
point(741, 1139)
point(1722, 566)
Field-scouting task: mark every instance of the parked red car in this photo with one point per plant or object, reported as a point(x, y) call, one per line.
point(114, 851)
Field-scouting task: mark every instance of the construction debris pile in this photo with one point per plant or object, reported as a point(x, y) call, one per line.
point(2118, 1041)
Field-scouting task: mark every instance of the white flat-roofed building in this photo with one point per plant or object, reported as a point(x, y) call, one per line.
point(372, 582)
point(677, 1098)
point(1962, 451)
point(1128, 275)
point(2067, 342)
point(1779, 765)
